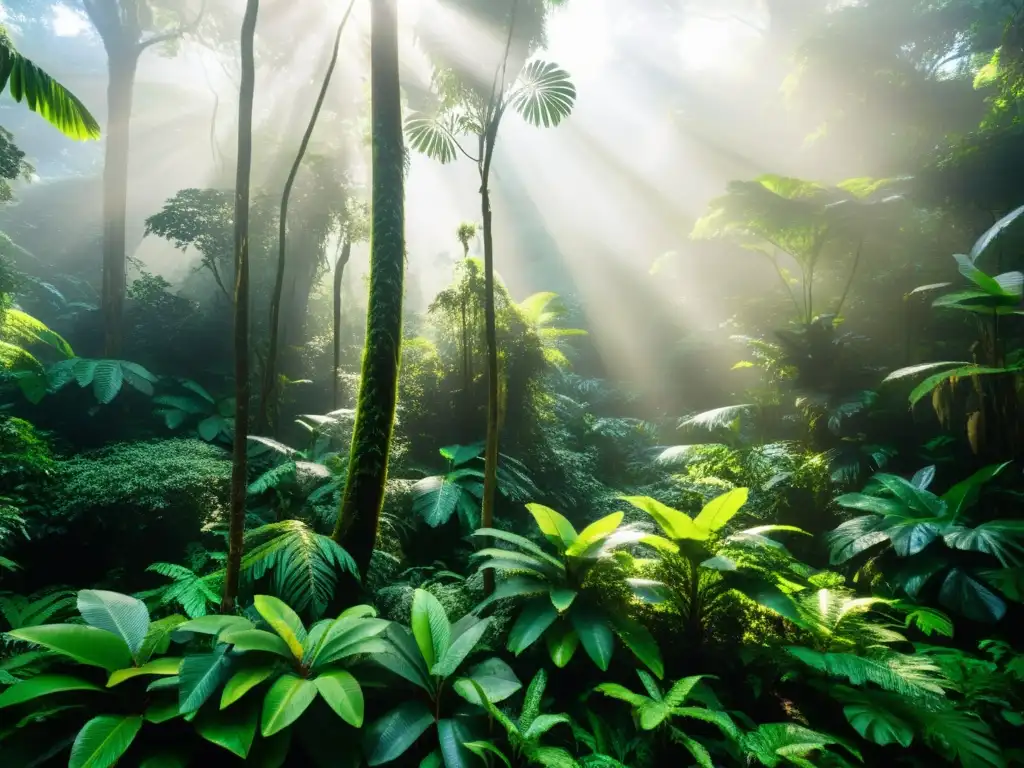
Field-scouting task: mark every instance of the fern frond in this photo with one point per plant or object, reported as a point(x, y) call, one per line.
point(913, 676)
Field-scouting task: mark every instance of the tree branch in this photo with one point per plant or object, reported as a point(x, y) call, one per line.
point(180, 31)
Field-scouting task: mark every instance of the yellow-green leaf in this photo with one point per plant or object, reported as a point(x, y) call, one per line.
point(676, 524)
point(721, 509)
point(164, 666)
point(554, 526)
point(284, 621)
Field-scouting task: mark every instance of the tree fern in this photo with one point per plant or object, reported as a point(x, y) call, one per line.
point(303, 564)
point(776, 744)
point(194, 593)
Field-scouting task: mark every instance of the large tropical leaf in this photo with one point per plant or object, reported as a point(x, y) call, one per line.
point(342, 693)
point(86, 645)
point(199, 676)
point(233, 729)
point(390, 736)
point(122, 615)
point(285, 702)
point(103, 740)
point(544, 94)
point(43, 685)
point(493, 676)
point(43, 94)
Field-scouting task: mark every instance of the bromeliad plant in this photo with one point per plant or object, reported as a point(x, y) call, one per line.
point(563, 605)
point(702, 566)
point(657, 709)
point(524, 733)
point(929, 535)
point(429, 655)
point(300, 665)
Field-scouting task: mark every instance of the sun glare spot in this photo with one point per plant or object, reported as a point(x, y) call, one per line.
point(706, 43)
point(68, 22)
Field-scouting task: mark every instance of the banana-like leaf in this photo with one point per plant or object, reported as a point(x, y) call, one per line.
point(103, 740)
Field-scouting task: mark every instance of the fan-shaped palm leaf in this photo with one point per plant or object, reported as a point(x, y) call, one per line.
point(544, 94)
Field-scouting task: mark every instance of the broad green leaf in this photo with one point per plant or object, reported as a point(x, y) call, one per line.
point(389, 737)
point(676, 524)
point(433, 136)
point(103, 740)
point(460, 649)
point(595, 633)
point(1003, 539)
point(433, 760)
point(554, 526)
point(562, 642)
point(243, 681)
point(649, 591)
point(544, 94)
point(233, 729)
point(652, 714)
point(969, 597)
point(878, 724)
point(971, 272)
point(430, 626)
point(542, 724)
point(996, 230)
point(522, 543)
point(621, 692)
point(593, 533)
point(536, 616)
point(284, 620)
point(495, 678)
point(258, 640)
point(199, 676)
point(451, 735)
point(121, 615)
point(161, 710)
point(164, 666)
point(342, 693)
point(344, 637)
point(681, 689)
point(641, 643)
point(84, 644)
point(515, 586)
point(562, 597)
point(43, 685)
point(961, 496)
point(721, 509)
point(404, 658)
point(285, 702)
point(214, 625)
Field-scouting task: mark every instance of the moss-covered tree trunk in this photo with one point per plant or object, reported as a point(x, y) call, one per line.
point(236, 522)
point(339, 276)
point(269, 390)
point(361, 503)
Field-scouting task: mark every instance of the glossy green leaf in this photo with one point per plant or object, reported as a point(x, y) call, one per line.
point(962, 496)
point(536, 616)
point(284, 621)
point(451, 735)
point(676, 524)
point(43, 685)
point(258, 640)
point(103, 741)
point(285, 702)
point(562, 642)
point(233, 729)
point(84, 644)
point(121, 615)
point(163, 666)
point(484, 748)
point(459, 650)
point(596, 635)
point(554, 526)
point(158, 638)
point(243, 681)
point(430, 626)
point(214, 625)
point(199, 676)
point(641, 643)
point(878, 724)
point(594, 533)
point(391, 736)
point(342, 693)
point(721, 509)
point(496, 678)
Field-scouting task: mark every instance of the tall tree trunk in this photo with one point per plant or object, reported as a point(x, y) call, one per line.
point(269, 389)
point(339, 275)
point(360, 508)
point(491, 339)
point(236, 522)
point(122, 64)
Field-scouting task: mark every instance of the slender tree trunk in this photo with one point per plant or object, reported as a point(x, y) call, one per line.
point(236, 523)
point(268, 391)
point(122, 63)
point(339, 275)
point(359, 515)
point(491, 339)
